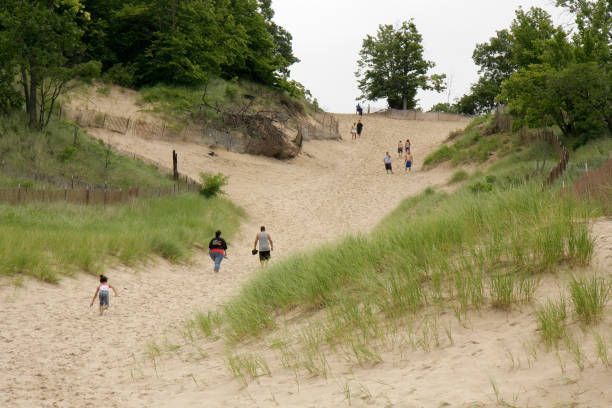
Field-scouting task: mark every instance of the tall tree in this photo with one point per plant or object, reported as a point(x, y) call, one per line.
point(529, 40)
point(43, 42)
point(571, 86)
point(392, 66)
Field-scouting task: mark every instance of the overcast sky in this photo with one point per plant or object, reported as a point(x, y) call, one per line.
point(327, 37)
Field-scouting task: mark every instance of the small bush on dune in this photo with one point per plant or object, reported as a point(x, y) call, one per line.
point(459, 176)
point(212, 184)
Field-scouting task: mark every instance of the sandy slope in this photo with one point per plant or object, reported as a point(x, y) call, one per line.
point(55, 351)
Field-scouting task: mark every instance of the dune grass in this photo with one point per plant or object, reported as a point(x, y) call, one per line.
point(62, 152)
point(448, 253)
point(589, 298)
point(551, 321)
point(46, 241)
point(473, 146)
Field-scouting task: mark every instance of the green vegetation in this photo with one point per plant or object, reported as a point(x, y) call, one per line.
point(46, 241)
point(459, 176)
point(589, 297)
point(177, 102)
point(136, 43)
point(474, 145)
point(31, 158)
point(547, 75)
point(551, 321)
point(391, 66)
point(409, 262)
point(212, 184)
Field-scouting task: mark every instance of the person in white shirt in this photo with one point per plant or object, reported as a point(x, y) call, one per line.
point(387, 161)
point(265, 246)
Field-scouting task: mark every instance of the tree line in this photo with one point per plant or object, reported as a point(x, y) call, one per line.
point(547, 74)
point(46, 44)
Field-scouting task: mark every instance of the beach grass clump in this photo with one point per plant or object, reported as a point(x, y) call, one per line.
point(459, 176)
point(247, 367)
point(47, 240)
point(589, 297)
point(463, 249)
point(551, 319)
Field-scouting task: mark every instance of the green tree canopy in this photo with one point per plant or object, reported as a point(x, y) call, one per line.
point(392, 66)
point(143, 42)
point(527, 41)
point(41, 40)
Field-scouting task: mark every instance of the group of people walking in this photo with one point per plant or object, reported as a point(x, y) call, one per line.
point(403, 149)
point(217, 248)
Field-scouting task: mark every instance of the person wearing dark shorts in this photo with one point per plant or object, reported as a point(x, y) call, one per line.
point(359, 128)
point(400, 148)
point(265, 246)
point(388, 166)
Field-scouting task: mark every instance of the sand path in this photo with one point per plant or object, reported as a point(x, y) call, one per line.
point(55, 351)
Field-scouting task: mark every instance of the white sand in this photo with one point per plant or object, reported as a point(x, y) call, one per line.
point(56, 351)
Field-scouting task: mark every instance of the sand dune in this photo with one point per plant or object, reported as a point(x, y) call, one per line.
point(56, 351)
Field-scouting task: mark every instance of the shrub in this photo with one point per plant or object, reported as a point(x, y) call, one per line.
point(67, 154)
point(481, 187)
point(459, 176)
point(212, 184)
point(121, 75)
point(589, 297)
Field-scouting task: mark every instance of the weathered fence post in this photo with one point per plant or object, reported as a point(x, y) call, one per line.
point(175, 173)
point(87, 196)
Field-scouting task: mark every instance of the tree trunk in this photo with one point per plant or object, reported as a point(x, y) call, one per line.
point(404, 102)
point(26, 89)
point(32, 105)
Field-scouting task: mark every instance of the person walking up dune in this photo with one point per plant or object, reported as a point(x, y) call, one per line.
point(408, 162)
point(400, 148)
point(407, 146)
point(354, 131)
point(217, 249)
point(388, 166)
point(359, 109)
point(265, 246)
point(359, 128)
point(103, 293)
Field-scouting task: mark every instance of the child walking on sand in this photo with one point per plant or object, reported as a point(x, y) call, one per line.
point(103, 293)
point(400, 149)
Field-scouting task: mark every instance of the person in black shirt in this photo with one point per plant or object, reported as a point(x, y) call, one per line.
point(359, 128)
point(217, 250)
